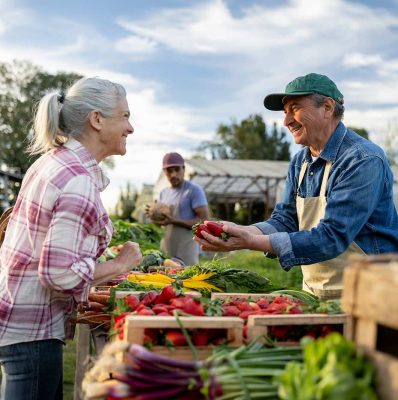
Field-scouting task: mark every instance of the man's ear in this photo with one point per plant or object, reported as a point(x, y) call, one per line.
point(329, 107)
point(95, 120)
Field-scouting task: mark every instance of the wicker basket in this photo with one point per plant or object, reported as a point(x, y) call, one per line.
point(5, 217)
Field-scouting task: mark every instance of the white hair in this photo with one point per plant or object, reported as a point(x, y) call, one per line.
point(59, 116)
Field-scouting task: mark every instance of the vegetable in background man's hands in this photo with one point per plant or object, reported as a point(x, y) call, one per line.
point(215, 228)
point(237, 237)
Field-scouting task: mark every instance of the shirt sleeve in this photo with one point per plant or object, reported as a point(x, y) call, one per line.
point(68, 255)
point(350, 203)
point(198, 197)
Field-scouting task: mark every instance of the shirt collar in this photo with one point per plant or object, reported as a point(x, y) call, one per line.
point(332, 146)
point(96, 172)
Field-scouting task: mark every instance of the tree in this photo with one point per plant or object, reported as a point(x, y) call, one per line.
point(126, 203)
point(248, 139)
point(22, 85)
point(391, 142)
point(360, 131)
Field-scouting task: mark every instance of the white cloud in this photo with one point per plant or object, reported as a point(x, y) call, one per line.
point(255, 50)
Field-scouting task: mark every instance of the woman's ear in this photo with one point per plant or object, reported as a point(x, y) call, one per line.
point(95, 120)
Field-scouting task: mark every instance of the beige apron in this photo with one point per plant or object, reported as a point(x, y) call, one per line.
point(178, 242)
point(324, 279)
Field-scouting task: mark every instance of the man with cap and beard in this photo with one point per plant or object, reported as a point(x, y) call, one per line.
point(338, 198)
point(188, 205)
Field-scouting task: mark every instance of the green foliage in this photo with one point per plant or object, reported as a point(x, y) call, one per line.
point(256, 261)
point(248, 140)
point(331, 370)
point(148, 236)
point(22, 85)
point(126, 203)
point(360, 131)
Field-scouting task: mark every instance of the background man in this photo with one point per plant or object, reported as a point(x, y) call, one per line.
point(338, 198)
point(188, 205)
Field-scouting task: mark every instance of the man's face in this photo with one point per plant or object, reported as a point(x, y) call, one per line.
point(175, 175)
point(304, 119)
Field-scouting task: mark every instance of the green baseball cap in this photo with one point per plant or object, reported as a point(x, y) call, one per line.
point(302, 86)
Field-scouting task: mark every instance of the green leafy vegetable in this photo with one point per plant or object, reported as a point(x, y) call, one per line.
point(331, 370)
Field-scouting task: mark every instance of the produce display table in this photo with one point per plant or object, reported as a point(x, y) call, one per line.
point(89, 343)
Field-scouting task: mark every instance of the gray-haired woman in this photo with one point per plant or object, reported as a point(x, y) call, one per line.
point(57, 231)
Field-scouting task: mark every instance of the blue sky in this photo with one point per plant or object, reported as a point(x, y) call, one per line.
point(191, 65)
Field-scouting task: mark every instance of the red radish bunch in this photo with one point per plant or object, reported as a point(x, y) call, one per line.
point(214, 228)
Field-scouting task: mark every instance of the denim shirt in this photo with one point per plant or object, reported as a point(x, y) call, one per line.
point(359, 196)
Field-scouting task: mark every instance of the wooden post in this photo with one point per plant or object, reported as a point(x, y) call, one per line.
point(82, 356)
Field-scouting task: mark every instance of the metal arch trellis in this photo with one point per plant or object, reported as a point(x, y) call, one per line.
point(265, 191)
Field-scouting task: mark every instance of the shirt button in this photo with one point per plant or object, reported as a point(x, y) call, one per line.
point(311, 173)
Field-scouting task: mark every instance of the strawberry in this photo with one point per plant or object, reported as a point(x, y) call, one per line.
point(159, 308)
point(166, 295)
point(280, 332)
point(244, 306)
point(145, 311)
point(132, 301)
point(149, 297)
point(216, 229)
point(198, 228)
point(175, 338)
point(230, 311)
point(263, 302)
point(200, 337)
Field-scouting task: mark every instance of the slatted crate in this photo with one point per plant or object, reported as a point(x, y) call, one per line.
point(370, 297)
point(253, 296)
point(259, 326)
point(135, 326)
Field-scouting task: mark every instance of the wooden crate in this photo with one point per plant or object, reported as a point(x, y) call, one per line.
point(135, 326)
point(123, 293)
point(370, 296)
point(253, 296)
point(259, 325)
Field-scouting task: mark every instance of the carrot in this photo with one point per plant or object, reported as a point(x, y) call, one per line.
point(92, 317)
point(93, 305)
point(98, 298)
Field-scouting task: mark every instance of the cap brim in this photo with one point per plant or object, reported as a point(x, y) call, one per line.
point(172, 165)
point(274, 102)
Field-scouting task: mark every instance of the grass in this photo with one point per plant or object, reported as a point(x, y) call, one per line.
point(69, 369)
point(256, 261)
point(250, 260)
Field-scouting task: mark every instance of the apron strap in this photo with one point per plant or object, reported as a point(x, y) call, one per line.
point(302, 173)
point(325, 178)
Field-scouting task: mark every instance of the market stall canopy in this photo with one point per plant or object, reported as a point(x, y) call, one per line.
point(230, 181)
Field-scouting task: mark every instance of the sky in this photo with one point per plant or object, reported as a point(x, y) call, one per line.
point(190, 65)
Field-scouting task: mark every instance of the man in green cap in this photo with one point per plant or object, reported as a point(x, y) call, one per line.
point(338, 198)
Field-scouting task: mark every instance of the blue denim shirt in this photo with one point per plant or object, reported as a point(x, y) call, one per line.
point(360, 207)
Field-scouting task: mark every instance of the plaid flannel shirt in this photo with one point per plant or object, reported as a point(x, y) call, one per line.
point(57, 230)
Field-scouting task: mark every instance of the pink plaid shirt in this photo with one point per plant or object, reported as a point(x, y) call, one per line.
point(57, 230)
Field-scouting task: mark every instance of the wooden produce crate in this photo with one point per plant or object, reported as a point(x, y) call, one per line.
point(123, 293)
point(253, 296)
point(260, 325)
point(135, 326)
point(370, 296)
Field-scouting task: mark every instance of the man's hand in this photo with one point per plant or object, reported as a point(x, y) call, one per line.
point(168, 219)
point(148, 209)
point(240, 238)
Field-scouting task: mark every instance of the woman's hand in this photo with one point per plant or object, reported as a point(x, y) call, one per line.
point(240, 237)
point(129, 256)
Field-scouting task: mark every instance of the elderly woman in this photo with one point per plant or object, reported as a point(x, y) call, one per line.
point(57, 231)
